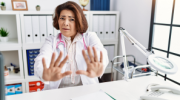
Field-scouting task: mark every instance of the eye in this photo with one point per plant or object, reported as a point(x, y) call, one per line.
point(71, 19)
point(62, 18)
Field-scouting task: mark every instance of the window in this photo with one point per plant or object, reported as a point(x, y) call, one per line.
point(164, 38)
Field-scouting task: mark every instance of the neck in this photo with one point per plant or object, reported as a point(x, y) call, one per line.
point(72, 37)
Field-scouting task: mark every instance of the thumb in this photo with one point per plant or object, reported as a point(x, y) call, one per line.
point(66, 73)
point(82, 72)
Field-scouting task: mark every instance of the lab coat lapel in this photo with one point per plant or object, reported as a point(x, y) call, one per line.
point(61, 47)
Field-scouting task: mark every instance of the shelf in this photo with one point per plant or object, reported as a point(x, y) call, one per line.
point(32, 45)
point(9, 12)
point(36, 12)
point(13, 78)
point(32, 78)
point(10, 43)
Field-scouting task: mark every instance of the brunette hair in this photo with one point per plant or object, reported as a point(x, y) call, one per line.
point(80, 20)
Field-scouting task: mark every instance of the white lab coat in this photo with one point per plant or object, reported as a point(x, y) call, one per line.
point(90, 38)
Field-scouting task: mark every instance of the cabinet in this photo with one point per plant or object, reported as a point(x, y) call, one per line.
point(41, 21)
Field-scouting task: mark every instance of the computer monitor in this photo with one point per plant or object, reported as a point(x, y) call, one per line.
point(2, 88)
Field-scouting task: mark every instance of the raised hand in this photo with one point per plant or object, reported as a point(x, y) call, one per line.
point(53, 73)
point(94, 66)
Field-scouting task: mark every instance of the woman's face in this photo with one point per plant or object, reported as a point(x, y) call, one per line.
point(67, 23)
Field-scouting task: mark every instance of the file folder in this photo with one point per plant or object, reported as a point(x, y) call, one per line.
point(56, 32)
point(112, 26)
point(28, 29)
point(111, 52)
point(35, 27)
point(107, 48)
point(42, 26)
point(95, 24)
point(87, 22)
point(101, 26)
point(106, 26)
point(50, 26)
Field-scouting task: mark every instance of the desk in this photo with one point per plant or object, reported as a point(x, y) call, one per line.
point(120, 90)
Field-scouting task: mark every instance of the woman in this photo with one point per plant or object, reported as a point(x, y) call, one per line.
point(67, 59)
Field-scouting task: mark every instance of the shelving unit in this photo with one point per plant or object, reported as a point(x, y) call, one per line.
point(13, 55)
point(10, 20)
point(15, 43)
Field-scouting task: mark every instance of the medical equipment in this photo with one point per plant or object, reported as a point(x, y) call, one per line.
point(60, 36)
point(159, 63)
point(161, 92)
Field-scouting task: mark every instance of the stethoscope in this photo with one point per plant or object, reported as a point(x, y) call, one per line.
point(60, 41)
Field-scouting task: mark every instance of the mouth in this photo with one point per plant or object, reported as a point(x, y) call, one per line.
point(65, 29)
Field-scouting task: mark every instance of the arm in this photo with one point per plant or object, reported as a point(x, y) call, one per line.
point(46, 52)
point(47, 66)
point(95, 41)
point(97, 60)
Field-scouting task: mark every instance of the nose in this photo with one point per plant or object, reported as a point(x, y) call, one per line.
point(66, 22)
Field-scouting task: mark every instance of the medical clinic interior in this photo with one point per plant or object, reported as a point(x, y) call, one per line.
point(89, 50)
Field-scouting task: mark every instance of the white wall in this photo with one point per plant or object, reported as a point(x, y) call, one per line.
point(135, 17)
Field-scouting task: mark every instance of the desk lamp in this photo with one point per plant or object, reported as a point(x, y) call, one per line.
point(159, 63)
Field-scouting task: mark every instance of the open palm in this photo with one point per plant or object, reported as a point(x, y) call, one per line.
point(94, 67)
point(53, 73)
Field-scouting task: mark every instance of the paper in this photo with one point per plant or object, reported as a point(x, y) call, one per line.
point(100, 95)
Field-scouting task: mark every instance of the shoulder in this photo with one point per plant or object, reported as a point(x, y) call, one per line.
point(50, 38)
point(90, 34)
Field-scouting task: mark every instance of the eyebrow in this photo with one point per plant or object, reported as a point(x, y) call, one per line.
point(65, 16)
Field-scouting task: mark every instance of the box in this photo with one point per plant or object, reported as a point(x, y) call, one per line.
point(35, 89)
point(35, 84)
point(18, 89)
point(10, 90)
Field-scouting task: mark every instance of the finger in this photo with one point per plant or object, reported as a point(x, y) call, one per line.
point(85, 56)
point(44, 63)
point(58, 59)
point(66, 74)
point(52, 60)
point(101, 57)
point(90, 55)
point(95, 55)
point(82, 72)
point(63, 62)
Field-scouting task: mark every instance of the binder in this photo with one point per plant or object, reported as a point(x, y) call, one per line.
point(95, 24)
point(56, 32)
point(87, 22)
point(106, 26)
point(50, 29)
point(107, 4)
point(28, 29)
point(101, 26)
point(111, 52)
point(35, 27)
point(107, 48)
point(42, 26)
point(31, 55)
point(102, 4)
point(112, 26)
